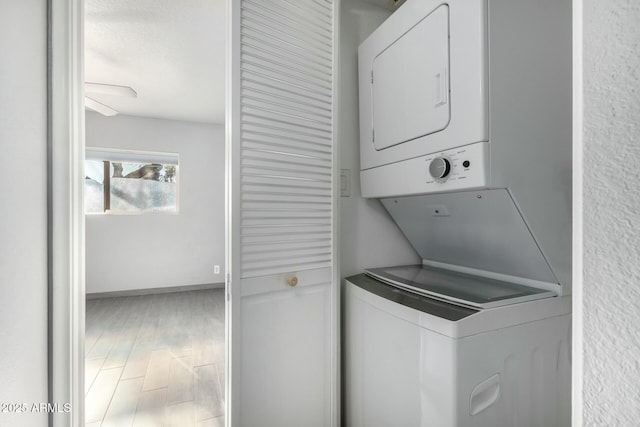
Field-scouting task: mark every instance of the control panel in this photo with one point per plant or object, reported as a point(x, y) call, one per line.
point(459, 164)
point(455, 169)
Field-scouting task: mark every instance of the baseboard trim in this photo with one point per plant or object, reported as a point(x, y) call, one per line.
point(151, 291)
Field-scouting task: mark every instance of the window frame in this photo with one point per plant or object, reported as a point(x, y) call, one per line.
point(120, 155)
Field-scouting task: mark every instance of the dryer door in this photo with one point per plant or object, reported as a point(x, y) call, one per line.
point(422, 84)
point(410, 83)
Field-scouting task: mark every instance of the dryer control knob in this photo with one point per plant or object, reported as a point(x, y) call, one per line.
point(439, 168)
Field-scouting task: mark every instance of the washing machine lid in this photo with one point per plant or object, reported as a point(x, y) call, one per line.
point(481, 230)
point(459, 288)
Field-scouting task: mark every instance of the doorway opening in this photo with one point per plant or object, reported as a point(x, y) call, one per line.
point(154, 191)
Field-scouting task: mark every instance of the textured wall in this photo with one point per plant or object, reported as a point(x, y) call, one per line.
point(611, 213)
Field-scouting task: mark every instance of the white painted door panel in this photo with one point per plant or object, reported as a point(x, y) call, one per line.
point(282, 334)
point(285, 341)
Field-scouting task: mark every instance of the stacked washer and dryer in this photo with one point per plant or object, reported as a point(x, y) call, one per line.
point(465, 135)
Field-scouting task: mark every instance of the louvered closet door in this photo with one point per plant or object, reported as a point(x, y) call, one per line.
point(283, 307)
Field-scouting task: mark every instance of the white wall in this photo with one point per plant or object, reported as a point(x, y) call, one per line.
point(125, 252)
point(369, 237)
point(23, 208)
point(611, 207)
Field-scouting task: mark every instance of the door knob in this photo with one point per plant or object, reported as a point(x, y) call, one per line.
point(292, 281)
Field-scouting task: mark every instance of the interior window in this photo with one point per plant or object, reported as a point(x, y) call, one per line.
point(128, 182)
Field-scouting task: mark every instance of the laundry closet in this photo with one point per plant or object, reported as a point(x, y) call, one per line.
point(465, 139)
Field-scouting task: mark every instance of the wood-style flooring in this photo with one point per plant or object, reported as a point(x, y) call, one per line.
point(155, 360)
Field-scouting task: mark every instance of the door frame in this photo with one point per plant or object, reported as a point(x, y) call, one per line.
point(66, 234)
point(66, 221)
point(577, 314)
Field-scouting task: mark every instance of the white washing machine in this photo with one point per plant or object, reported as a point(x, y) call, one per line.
point(419, 361)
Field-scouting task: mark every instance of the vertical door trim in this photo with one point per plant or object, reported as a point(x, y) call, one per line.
point(66, 244)
point(232, 229)
point(337, 285)
point(577, 317)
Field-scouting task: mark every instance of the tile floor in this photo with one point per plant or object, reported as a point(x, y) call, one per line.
point(155, 360)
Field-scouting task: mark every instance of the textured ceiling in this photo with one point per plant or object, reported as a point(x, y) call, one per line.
point(172, 53)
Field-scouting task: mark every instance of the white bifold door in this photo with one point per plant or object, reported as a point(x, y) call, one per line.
point(282, 310)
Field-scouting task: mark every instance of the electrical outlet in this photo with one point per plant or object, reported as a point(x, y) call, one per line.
point(216, 269)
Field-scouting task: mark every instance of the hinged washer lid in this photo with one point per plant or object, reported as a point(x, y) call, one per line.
point(459, 288)
point(480, 230)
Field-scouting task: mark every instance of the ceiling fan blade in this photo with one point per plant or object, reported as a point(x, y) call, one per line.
point(98, 107)
point(105, 89)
